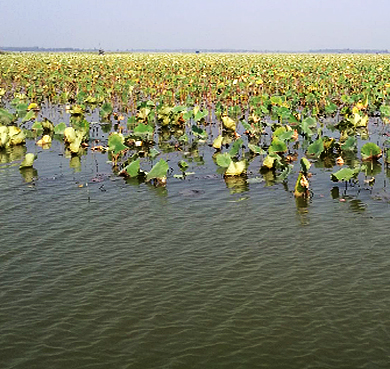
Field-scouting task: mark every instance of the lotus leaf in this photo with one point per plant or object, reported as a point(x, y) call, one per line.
point(229, 123)
point(277, 146)
point(305, 166)
point(3, 136)
point(116, 143)
point(69, 134)
point(349, 144)
point(201, 133)
point(301, 186)
point(30, 115)
point(316, 148)
point(44, 141)
point(344, 174)
point(47, 126)
point(223, 160)
point(105, 110)
point(217, 144)
point(159, 171)
point(28, 161)
point(269, 161)
point(16, 136)
point(143, 131)
point(59, 129)
point(133, 169)
point(6, 117)
point(236, 168)
point(256, 149)
point(236, 147)
point(370, 151)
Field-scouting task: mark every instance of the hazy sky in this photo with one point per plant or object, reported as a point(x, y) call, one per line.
point(204, 24)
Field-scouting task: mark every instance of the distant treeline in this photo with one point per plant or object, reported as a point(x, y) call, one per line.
point(74, 50)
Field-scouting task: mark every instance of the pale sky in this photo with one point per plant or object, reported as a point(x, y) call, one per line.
point(202, 24)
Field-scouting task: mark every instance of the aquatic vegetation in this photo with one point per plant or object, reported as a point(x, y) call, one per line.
point(250, 114)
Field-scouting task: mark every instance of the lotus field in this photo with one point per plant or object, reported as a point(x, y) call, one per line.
point(276, 119)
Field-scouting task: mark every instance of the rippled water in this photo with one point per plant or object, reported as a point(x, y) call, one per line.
point(194, 275)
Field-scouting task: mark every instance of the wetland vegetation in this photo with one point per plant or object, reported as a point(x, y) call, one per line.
point(276, 119)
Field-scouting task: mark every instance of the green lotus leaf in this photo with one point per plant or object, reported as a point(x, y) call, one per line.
point(256, 149)
point(301, 186)
point(284, 173)
point(105, 110)
point(76, 111)
point(370, 151)
point(201, 133)
point(307, 124)
point(286, 136)
point(153, 153)
point(116, 143)
point(6, 117)
point(223, 160)
point(59, 128)
point(37, 126)
point(349, 144)
point(159, 170)
point(133, 169)
point(144, 131)
point(28, 161)
point(236, 168)
point(305, 166)
point(277, 146)
point(344, 174)
point(201, 114)
point(269, 161)
point(316, 148)
point(30, 115)
point(236, 147)
point(385, 111)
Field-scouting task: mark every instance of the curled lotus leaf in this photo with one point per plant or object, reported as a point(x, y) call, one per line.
point(16, 136)
point(228, 123)
point(217, 144)
point(236, 168)
point(69, 134)
point(28, 161)
point(3, 136)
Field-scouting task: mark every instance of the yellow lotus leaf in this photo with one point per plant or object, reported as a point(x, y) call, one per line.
point(218, 142)
point(16, 136)
point(44, 141)
point(229, 123)
point(236, 169)
point(70, 134)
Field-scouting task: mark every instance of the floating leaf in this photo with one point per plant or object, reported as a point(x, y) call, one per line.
point(59, 129)
point(370, 151)
point(344, 174)
point(229, 123)
point(277, 146)
point(217, 144)
point(349, 144)
point(30, 115)
point(144, 131)
point(133, 169)
point(316, 148)
point(236, 168)
point(236, 147)
point(6, 118)
point(116, 143)
point(301, 186)
point(256, 149)
point(28, 161)
point(223, 160)
point(159, 170)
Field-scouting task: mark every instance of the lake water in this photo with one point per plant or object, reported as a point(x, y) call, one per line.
point(99, 273)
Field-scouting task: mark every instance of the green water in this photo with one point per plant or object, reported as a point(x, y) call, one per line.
point(96, 272)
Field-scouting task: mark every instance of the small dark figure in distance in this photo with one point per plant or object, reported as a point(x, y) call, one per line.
point(101, 52)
